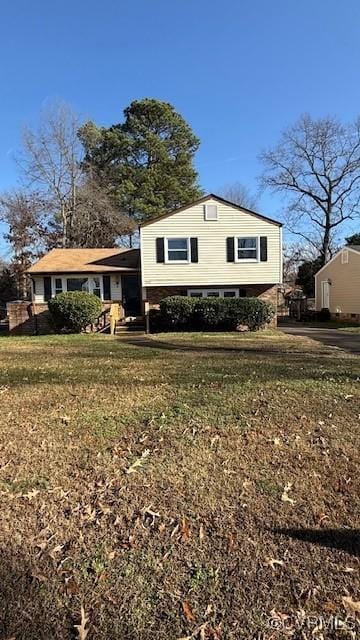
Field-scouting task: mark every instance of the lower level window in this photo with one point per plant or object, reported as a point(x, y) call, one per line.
point(213, 293)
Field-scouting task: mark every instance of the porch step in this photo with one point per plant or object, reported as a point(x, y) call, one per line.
point(129, 327)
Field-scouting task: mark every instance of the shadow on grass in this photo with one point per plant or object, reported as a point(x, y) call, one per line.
point(343, 539)
point(215, 348)
point(28, 609)
point(184, 366)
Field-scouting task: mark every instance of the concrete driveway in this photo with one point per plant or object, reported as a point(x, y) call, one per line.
point(349, 342)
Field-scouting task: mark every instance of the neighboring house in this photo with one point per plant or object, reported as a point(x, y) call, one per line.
point(211, 247)
point(337, 285)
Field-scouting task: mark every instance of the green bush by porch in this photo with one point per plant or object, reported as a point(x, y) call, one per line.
point(73, 311)
point(182, 313)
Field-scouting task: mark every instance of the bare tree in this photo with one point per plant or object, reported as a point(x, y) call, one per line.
point(51, 163)
point(26, 216)
point(239, 194)
point(97, 221)
point(316, 166)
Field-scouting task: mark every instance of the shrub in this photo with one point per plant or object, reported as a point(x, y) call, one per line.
point(324, 315)
point(73, 311)
point(177, 311)
point(182, 313)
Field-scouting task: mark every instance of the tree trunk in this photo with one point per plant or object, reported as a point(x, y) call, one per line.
point(326, 239)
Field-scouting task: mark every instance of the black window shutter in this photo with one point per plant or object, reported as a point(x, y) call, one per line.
point(263, 249)
point(160, 251)
point(230, 249)
point(107, 287)
point(47, 288)
point(194, 250)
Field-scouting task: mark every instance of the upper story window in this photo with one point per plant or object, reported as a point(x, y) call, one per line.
point(246, 248)
point(211, 211)
point(345, 257)
point(177, 250)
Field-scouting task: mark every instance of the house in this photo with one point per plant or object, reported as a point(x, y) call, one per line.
point(211, 247)
point(337, 285)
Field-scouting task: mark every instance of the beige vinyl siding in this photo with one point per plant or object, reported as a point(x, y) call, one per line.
point(212, 266)
point(345, 284)
point(116, 292)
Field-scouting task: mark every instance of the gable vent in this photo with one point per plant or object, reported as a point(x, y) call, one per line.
point(210, 212)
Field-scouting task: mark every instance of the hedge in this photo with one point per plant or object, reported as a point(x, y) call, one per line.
point(73, 311)
point(182, 313)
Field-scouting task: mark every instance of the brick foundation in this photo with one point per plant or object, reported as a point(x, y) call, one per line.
point(28, 318)
point(346, 317)
point(266, 292)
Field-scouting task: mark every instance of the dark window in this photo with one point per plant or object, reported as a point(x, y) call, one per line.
point(247, 248)
point(242, 293)
point(77, 284)
point(229, 294)
point(177, 250)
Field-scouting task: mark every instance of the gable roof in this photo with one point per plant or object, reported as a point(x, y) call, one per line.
point(211, 196)
point(88, 261)
point(348, 247)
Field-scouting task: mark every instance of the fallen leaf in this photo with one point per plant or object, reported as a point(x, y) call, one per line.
point(348, 569)
point(272, 562)
point(55, 550)
point(187, 611)
point(351, 605)
point(201, 533)
point(285, 494)
point(277, 442)
point(138, 462)
point(81, 628)
point(184, 530)
point(71, 586)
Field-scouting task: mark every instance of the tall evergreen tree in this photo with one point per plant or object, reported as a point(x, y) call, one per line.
point(146, 162)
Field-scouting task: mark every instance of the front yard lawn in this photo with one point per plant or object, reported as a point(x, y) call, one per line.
point(178, 486)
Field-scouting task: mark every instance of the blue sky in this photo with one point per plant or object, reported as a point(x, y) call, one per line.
point(238, 71)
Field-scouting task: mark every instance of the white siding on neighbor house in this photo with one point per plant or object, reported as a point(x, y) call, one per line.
point(212, 267)
point(344, 287)
point(116, 291)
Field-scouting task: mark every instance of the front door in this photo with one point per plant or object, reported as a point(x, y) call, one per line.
point(131, 294)
point(325, 295)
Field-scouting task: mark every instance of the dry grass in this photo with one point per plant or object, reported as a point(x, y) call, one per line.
point(145, 482)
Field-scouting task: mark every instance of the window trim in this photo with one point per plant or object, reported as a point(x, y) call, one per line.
point(236, 249)
point(206, 212)
point(64, 279)
point(345, 256)
point(166, 256)
point(210, 289)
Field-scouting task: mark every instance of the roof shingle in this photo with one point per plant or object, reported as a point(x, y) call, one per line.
point(88, 261)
